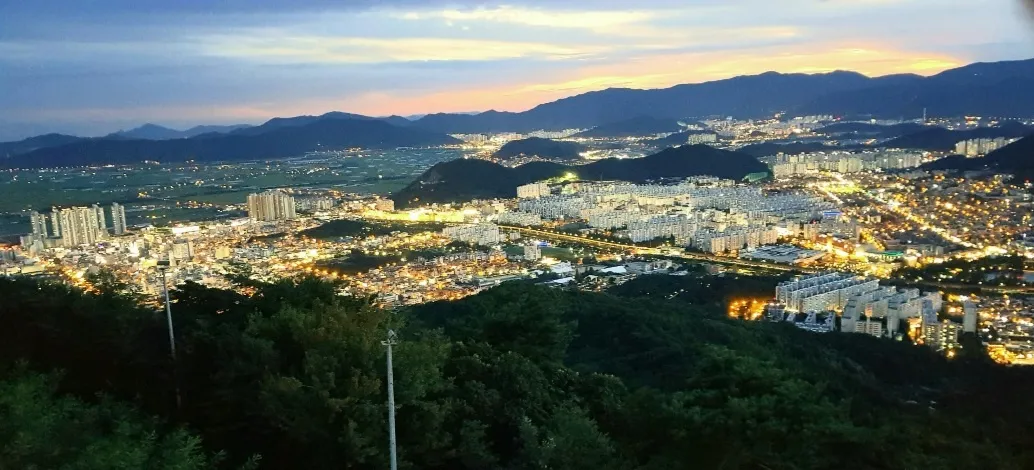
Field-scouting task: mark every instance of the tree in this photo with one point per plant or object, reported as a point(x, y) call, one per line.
point(42, 430)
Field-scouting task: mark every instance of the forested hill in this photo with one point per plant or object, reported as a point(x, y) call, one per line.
point(467, 179)
point(1016, 158)
point(517, 377)
point(538, 147)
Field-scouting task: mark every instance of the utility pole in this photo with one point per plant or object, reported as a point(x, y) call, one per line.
point(163, 266)
point(392, 340)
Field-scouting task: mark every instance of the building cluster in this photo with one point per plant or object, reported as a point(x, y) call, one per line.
point(984, 215)
point(702, 138)
point(784, 166)
point(484, 234)
point(314, 204)
point(981, 147)
point(706, 213)
point(271, 206)
point(765, 129)
point(867, 307)
point(74, 226)
point(504, 137)
point(519, 218)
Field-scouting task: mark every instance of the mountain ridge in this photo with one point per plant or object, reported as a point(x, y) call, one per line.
point(151, 131)
point(277, 143)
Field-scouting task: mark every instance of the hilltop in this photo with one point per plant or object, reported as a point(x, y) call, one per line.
point(1016, 158)
point(543, 148)
point(466, 179)
point(10, 149)
point(939, 138)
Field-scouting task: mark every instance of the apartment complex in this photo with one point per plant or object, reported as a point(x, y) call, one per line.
point(271, 206)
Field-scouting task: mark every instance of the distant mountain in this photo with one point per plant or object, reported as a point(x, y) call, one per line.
point(538, 147)
point(767, 149)
point(150, 132)
point(199, 130)
point(942, 139)
point(1016, 158)
point(748, 96)
point(280, 123)
point(9, 149)
point(865, 129)
point(995, 89)
point(396, 121)
point(276, 143)
point(1004, 89)
point(467, 179)
point(156, 132)
point(634, 127)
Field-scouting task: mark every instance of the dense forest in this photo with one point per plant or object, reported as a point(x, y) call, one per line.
point(650, 375)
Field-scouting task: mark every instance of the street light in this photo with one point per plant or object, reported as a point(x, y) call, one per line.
point(163, 266)
point(392, 340)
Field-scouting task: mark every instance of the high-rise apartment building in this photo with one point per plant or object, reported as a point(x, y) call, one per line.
point(118, 219)
point(39, 224)
point(79, 225)
point(970, 317)
point(102, 223)
point(55, 222)
point(271, 206)
point(822, 292)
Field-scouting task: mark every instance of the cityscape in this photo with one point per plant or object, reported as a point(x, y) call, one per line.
point(689, 236)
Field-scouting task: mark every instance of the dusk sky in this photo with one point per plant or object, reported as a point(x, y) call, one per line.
point(93, 67)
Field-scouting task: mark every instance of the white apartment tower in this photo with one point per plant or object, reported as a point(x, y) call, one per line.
point(118, 218)
point(39, 224)
point(271, 206)
point(79, 225)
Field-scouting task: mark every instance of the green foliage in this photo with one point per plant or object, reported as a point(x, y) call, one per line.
point(41, 430)
point(357, 228)
point(651, 375)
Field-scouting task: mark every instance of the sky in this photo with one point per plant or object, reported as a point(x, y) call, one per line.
point(90, 67)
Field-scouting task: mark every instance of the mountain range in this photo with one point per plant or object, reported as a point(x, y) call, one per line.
point(156, 132)
point(1004, 89)
point(1000, 89)
point(467, 179)
point(276, 142)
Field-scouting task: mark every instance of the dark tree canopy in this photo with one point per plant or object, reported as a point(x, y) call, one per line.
point(651, 375)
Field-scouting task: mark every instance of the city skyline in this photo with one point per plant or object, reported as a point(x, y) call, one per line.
point(116, 65)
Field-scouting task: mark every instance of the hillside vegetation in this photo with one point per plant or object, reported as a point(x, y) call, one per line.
point(517, 377)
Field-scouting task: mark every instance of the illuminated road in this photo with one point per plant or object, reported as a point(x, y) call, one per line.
point(639, 250)
point(904, 212)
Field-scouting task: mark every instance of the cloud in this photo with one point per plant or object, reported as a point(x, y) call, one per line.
point(355, 50)
point(116, 60)
point(592, 20)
